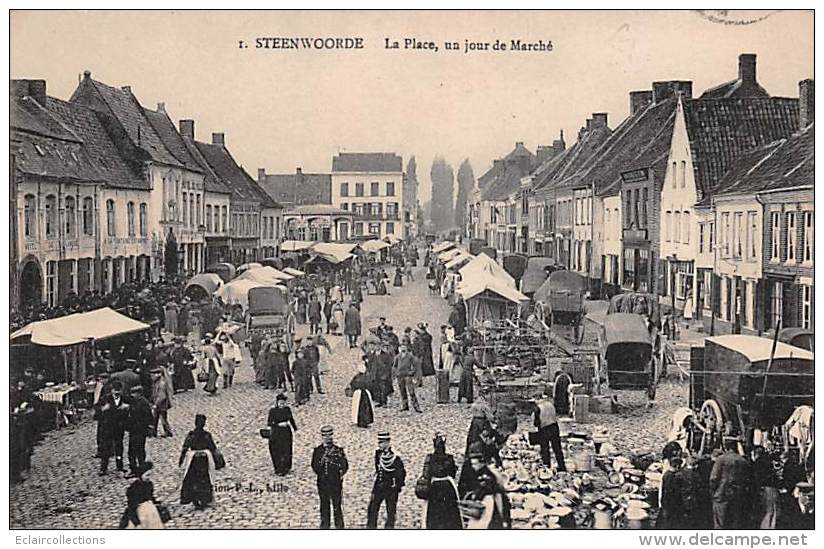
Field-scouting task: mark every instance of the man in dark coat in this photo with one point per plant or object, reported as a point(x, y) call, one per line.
point(352, 325)
point(182, 378)
point(330, 465)
point(457, 318)
point(390, 477)
point(408, 374)
point(112, 413)
point(730, 481)
point(425, 351)
point(139, 423)
point(313, 311)
point(311, 352)
point(383, 374)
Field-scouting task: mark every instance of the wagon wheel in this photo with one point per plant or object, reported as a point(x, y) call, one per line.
point(711, 417)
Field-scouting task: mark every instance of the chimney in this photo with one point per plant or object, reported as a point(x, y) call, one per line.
point(806, 102)
point(36, 89)
point(218, 139)
point(589, 124)
point(599, 120)
point(261, 175)
point(746, 67)
point(87, 74)
point(299, 170)
point(127, 89)
point(187, 128)
point(161, 107)
point(639, 100)
point(661, 91)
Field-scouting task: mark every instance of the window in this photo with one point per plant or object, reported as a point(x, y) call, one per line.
point(344, 189)
point(390, 188)
point(806, 307)
point(51, 216)
point(185, 208)
point(668, 226)
point(344, 206)
point(209, 217)
point(144, 229)
point(358, 189)
point(712, 236)
point(111, 230)
point(375, 189)
point(725, 233)
point(390, 228)
point(809, 228)
point(777, 303)
point(199, 213)
point(358, 208)
point(676, 222)
point(644, 218)
point(71, 217)
point(701, 229)
point(192, 219)
point(683, 173)
point(130, 217)
point(752, 235)
point(629, 267)
point(375, 228)
point(674, 175)
point(225, 215)
point(775, 235)
point(30, 216)
point(737, 233)
point(791, 236)
point(375, 209)
point(686, 230)
point(607, 221)
point(88, 216)
point(51, 283)
point(359, 229)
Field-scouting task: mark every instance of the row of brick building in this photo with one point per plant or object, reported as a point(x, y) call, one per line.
point(705, 201)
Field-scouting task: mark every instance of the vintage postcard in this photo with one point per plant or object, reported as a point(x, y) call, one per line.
point(413, 270)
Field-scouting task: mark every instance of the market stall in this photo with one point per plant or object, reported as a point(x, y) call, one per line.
point(237, 292)
point(293, 272)
point(488, 299)
point(296, 245)
point(457, 262)
point(202, 286)
point(246, 266)
point(265, 275)
point(443, 246)
point(483, 266)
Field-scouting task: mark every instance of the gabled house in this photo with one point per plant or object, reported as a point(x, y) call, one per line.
point(176, 187)
point(709, 134)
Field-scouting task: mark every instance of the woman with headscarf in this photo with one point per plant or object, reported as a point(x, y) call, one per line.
point(486, 490)
point(198, 458)
point(442, 512)
point(212, 365)
point(141, 510)
point(337, 317)
point(363, 414)
point(170, 312)
point(398, 282)
point(466, 389)
point(282, 425)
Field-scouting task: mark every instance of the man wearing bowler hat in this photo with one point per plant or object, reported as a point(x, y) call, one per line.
point(139, 424)
point(329, 464)
point(390, 477)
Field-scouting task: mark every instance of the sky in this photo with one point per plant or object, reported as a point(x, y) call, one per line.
point(284, 108)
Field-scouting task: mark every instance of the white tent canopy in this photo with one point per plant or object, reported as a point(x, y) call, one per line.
point(392, 239)
point(484, 266)
point(488, 299)
point(265, 275)
point(333, 248)
point(295, 245)
point(443, 246)
point(77, 328)
point(237, 291)
point(293, 272)
point(459, 260)
point(449, 254)
point(479, 285)
point(373, 246)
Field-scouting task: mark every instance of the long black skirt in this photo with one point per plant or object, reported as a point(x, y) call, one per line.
point(197, 485)
point(442, 511)
point(280, 449)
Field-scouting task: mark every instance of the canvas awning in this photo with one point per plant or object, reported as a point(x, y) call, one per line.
point(392, 239)
point(293, 272)
point(295, 245)
point(77, 328)
point(449, 255)
point(247, 266)
point(480, 285)
point(373, 246)
point(483, 266)
point(209, 282)
point(442, 247)
point(459, 260)
point(237, 291)
point(265, 275)
point(334, 248)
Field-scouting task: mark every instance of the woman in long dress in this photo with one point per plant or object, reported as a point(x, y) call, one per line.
point(442, 512)
point(362, 407)
point(337, 316)
point(450, 365)
point(141, 511)
point(398, 278)
point(198, 460)
point(282, 425)
point(213, 369)
point(170, 317)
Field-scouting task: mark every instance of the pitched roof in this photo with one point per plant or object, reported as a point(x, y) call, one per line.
point(367, 162)
point(67, 141)
point(735, 88)
point(504, 178)
point(171, 139)
point(567, 162)
point(243, 187)
point(129, 113)
point(506, 183)
point(721, 130)
point(299, 188)
point(211, 181)
point(783, 164)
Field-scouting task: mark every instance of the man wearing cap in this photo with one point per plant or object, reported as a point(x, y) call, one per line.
point(311, 352)
point(383, 374)
point(111, 413)
point(162, 401)
point(405, 372)
point(139, 423)
point(546, 420)
point(730, 481)
point(390, 477)
point(330, 465)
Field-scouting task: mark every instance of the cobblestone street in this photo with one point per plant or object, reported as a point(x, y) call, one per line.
point(65, 491)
